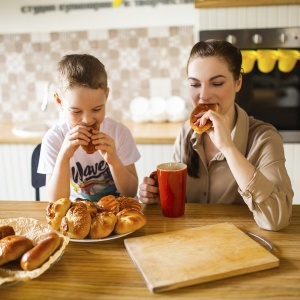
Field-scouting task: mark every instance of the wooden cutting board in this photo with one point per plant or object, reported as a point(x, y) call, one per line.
point(191, 256)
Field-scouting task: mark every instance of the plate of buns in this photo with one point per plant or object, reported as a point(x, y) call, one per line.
point(27, 249)
point(85, 221)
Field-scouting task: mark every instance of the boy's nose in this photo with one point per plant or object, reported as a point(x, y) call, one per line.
point(87, 119)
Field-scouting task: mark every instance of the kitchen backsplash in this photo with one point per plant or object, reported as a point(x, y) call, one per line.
point(144, 62)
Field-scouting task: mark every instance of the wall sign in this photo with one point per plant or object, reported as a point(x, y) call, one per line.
point(38, 9)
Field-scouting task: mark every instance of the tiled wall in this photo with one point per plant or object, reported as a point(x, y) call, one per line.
point(137, 60)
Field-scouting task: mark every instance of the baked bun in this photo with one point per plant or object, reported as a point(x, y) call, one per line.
point(76, 223)
point(6, 230)
point(128, 202)
point(55, 211)
point(109, 203)
point(90, 147)
point(129, 219)
point(102, 225)
point(92, 207)
point(201, 108)
point(13, 247)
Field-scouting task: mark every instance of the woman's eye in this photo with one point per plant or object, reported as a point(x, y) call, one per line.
point(217, 84)
point(195, 85)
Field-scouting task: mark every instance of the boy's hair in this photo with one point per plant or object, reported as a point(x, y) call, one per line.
point(81, 70)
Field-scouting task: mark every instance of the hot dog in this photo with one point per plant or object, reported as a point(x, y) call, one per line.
point(13, 247)
point(6, 230)
point(40, 253)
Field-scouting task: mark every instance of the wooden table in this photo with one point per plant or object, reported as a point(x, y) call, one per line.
point(105, 271)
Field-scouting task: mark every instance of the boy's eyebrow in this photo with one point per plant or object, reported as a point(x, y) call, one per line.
point(74, 107)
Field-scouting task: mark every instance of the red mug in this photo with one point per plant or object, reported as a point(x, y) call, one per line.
point(171, 179)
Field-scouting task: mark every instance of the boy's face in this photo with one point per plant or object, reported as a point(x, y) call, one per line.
point(83, 106)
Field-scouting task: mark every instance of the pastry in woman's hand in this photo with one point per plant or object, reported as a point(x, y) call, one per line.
point(201, 108)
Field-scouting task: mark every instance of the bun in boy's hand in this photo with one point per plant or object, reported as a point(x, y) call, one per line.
point(90, 148)
point(202, 108)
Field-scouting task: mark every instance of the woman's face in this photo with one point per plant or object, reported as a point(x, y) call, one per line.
point(210, 81)
point(83, 106)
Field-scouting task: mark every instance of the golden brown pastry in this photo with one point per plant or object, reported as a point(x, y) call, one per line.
point(90, 148)
point(128, 202)
point(202, 108)
point(76, 223)
point(41, 252)
point(13, 247)
point(55, 211)
point(109, 203)
point(6, 230)
point(102, 225)
point(92, 207)
point(129, 219)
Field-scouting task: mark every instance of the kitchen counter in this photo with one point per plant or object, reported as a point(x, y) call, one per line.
point(104, 270)
point(143, 133)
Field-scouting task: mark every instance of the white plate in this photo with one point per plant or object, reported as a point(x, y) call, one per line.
point(109, 238)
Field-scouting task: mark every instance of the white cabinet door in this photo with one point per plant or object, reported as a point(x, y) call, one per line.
point(15, 162)
point(15, 182)
point(292, 154)
point(151, 156)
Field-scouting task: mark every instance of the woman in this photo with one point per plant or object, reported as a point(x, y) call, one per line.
point(240, 159)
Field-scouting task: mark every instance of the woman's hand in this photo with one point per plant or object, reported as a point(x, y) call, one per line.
point(148, 191)
point(220, 133)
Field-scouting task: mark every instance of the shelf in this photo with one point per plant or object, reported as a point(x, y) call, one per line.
point(232, 3)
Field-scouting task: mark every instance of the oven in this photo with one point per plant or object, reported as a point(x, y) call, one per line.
point(271, 79)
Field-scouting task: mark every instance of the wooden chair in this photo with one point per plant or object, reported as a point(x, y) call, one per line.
point(37, 180)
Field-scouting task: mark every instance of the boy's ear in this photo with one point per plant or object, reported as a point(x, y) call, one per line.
point(107, 93)
point(57, 99)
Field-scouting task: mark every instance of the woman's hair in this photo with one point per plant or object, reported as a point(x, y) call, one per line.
point(232, 56)
point(80, 70)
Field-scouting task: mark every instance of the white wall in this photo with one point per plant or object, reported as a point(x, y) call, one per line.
point(12, 20)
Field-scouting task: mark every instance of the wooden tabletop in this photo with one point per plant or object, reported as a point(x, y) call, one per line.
point(104, 270)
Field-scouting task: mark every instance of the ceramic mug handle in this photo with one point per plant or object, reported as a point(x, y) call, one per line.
point(153, 175)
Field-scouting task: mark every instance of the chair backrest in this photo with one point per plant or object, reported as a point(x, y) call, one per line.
point(37, 180)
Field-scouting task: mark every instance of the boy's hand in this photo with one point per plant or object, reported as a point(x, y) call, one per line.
point(106, 145)
point(75, 137)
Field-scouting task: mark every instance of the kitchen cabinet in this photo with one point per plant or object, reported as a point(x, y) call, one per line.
point(15, 162)
point(234, 3)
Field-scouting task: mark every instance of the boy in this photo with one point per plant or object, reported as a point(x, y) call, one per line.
point(70, 171)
